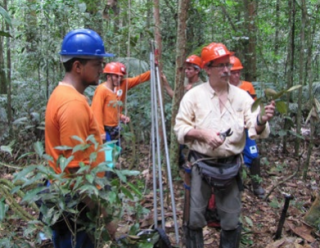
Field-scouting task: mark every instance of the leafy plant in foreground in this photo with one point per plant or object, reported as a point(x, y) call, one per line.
point(64, 197)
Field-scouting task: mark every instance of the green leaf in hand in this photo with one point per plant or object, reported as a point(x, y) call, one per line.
point(294, 88)
point(256, 104)
point(281, 107)
point(270, 93)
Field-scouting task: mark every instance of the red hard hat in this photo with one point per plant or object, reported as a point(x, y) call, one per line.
point(123, 68)
point(214, 51)
point(236, 63)
point(113, 68)
point(194, 59)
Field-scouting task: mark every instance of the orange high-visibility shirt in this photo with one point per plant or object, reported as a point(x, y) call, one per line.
point(69, 114)
point(105, 108)
point(248, 87)
point(128, 83)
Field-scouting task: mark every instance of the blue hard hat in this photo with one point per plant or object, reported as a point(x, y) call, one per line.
point(83, 42)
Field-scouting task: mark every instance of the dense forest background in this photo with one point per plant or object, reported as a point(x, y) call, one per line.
point(277, 42)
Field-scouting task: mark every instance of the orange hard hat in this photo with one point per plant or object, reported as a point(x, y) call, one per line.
point(123, 68)
point(236, 63)
point(194, 59)
point(113, 68)
point(214, 51)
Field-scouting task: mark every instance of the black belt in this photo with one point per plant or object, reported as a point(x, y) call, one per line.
point(209, 160)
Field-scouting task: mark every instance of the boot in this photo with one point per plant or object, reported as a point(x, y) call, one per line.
point(193, 238)
point(255, 172)
point(230, 239)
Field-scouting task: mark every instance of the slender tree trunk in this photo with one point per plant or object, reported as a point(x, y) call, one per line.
point(31, 28)
point(158, 47)
point(250, 54)
point(8, 78)
point(276, 40)
point(157, 33)
point(312, 107)
point(311, 30)
point(251, 73)
point(179, 78)
point(3, 84)
point(290, 63)
point(301, 75)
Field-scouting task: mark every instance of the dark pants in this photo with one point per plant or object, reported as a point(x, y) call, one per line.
point(64, 240)
point(62, 236)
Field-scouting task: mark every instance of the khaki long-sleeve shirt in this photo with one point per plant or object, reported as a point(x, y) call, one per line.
point(199, 109)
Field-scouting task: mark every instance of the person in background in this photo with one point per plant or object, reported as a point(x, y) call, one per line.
point(250, 151)
point(129, 83)
point(111, 120)
point(68, 114)
point(210, 121)
point(105, 105)
point(193, 65)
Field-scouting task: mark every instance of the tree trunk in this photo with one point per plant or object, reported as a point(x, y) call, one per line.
point(179, 78)
point(251, 12)
point(157, 33)
point(3, 84)
point(31, 28)
point(276, 40)
point(158, 51)
point(290, 63)
point(301, 76)
point(8, 77)
point(310, 78)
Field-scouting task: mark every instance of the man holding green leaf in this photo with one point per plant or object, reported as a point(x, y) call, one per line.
point(211, 122)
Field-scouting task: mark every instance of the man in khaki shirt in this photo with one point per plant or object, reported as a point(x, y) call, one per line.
point(204, 113)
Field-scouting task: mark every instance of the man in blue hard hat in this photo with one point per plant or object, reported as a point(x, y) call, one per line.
point(68, 114)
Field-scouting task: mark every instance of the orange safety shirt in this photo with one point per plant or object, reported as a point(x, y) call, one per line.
point(128, 83)
point(248, 87)
point(105, 108)
point(69, 114)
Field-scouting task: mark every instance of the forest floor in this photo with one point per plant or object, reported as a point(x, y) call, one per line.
point(281, 174)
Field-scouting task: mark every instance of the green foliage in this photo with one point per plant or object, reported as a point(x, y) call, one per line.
point(147, 238)
point(272, 95)
point(7, 148)
point(3, 209)
point(67, 193)
point(248, 221)
point(247, 226)
point(7, 20)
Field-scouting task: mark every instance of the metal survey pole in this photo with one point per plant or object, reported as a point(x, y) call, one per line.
point(158, 143)
point(157, 152)
point(167, 157)
point(155, 213)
